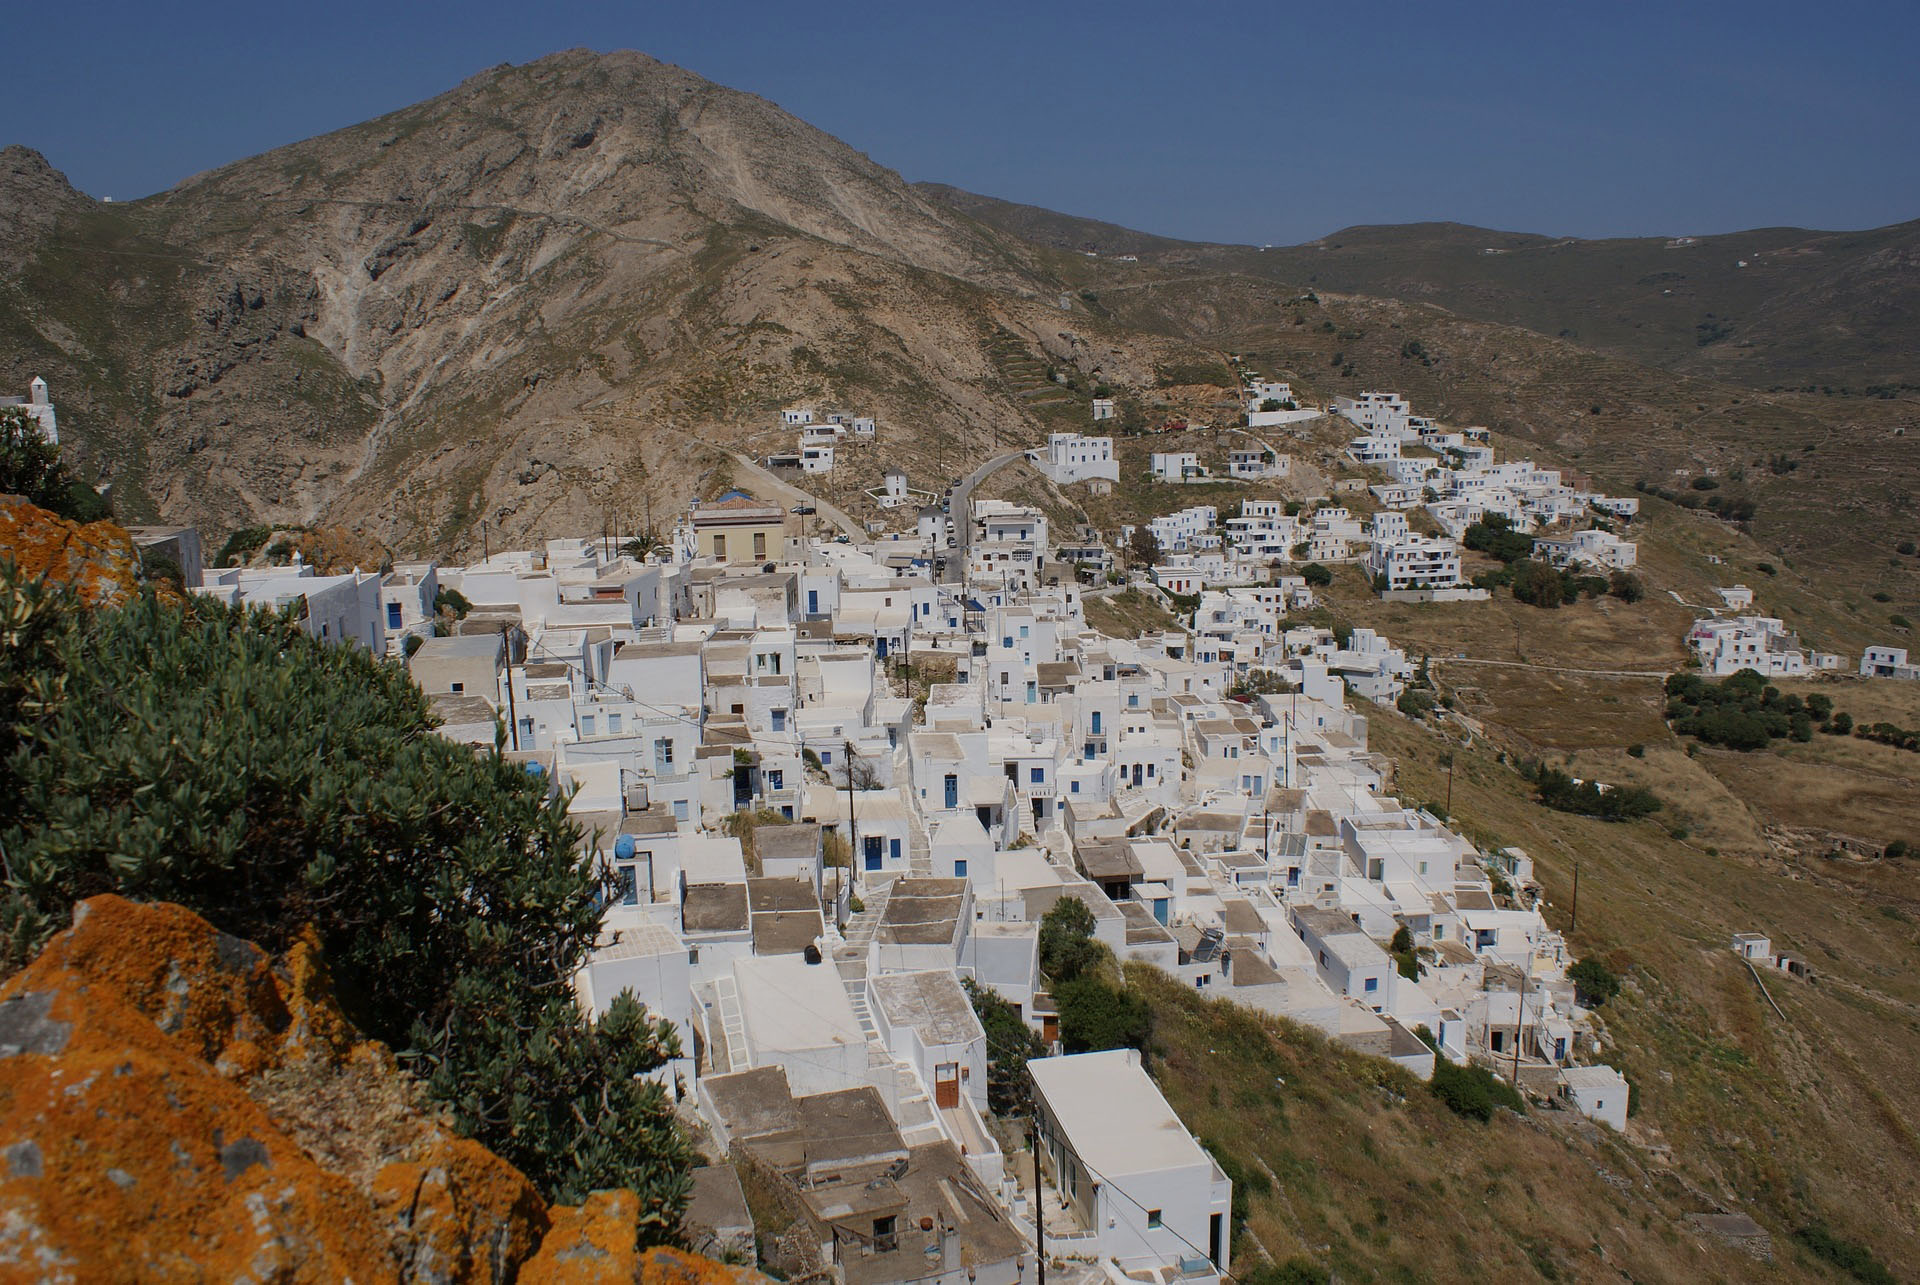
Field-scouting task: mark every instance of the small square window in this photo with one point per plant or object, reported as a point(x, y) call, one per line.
point(1153, 1217)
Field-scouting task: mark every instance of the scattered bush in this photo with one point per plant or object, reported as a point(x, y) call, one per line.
point(1472, 1091)
point(1538, 584)
point(1562, 793)
point(1636, 750)
point(1096, 1014)
point(1414, 703)
point(1593, 982)
point(451, 602)
point(1298, 1270)
point(1741, 712)
point(1316, 575)
point(1849, 1256)
point(1494, 535)
point(1899, 621)
point(241, 545)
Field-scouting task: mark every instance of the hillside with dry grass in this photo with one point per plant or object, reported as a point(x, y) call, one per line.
point(1833, 312)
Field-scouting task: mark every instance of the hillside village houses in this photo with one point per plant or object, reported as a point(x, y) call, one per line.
point(1453, 474)
point(1728, 644)
point(1069, 457)
point(904, 838)
point(1888, 662)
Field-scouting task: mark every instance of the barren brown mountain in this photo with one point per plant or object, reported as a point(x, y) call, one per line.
point(540, 299)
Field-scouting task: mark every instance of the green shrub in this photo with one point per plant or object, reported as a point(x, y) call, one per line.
point(1851, 1257)
point(1298, 1270)
point(1096, 1014)
point(1593, 982)
point(1562, 793)
point(1494, 535)
point(233, 764)
point(31, 467)
point(1472, 1091)
point(1067, 947)
point(1010, 1042)
point(1414, 703)
point(1316, 575)
point(1537, 584)
point(241, 545)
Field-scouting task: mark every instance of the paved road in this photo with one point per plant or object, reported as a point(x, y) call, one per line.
point(789, 495)
point(962, 520)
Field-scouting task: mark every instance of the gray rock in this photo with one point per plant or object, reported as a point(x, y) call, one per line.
point(26, 1028)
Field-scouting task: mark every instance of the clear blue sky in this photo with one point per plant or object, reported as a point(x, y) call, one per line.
point(1238, 121)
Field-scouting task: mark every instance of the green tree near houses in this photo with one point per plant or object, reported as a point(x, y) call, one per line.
point(32, 467)
point(231, 763)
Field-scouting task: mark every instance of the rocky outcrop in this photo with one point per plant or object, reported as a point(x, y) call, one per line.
point(172, 1097)
point(97, 559)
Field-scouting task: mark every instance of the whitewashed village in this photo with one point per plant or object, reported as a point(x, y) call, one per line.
point(841, 779)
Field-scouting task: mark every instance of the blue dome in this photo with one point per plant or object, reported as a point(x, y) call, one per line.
point(623, 847)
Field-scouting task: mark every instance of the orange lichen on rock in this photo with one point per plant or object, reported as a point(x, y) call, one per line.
point(173, 1104)
point(460, 1213)
point(98, 560)
point(119, 1144)
point(597, 1241)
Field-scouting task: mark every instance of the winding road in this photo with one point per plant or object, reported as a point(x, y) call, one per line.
point(789, 495)
point(962, 519)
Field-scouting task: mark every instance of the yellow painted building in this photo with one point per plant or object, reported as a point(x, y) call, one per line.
point(739, 528)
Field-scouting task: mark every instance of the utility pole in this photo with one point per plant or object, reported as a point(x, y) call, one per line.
point(1520, 1017)
point(1039, 1206)
point(486, 554)
point(1449, 786)
point(513, 714)
point(1573, 918)
point(853, 822)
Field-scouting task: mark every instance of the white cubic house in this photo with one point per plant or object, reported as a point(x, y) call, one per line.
point(1134, 1177)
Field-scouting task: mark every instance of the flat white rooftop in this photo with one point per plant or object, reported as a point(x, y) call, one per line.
point(790, 1004)
point(1113, 1114)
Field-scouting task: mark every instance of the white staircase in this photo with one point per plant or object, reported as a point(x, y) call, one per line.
point(919, 847)
point(733, 1028)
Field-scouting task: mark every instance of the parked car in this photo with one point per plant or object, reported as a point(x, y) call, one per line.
point(804, 510)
